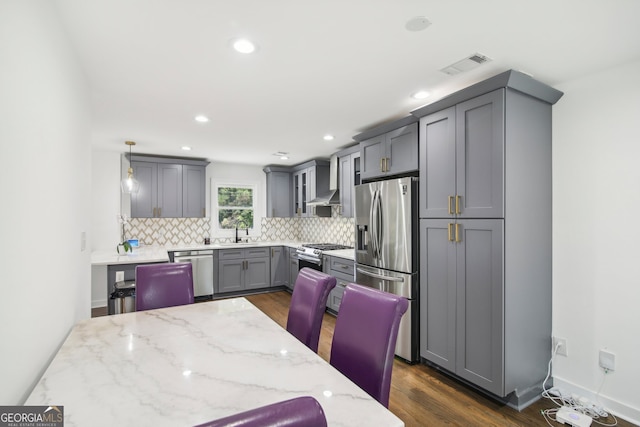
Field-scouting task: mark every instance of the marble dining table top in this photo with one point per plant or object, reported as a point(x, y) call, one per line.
point(185, 365)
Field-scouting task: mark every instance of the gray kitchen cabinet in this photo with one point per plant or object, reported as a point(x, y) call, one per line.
point(279, 266)
point(279, 191)
point(343, 270)
point(392, 153)
point(462, 159)
point(461, 299)
point(194, 191)
point(349, 172)
point(293, 268)
point(169, 187)
point(485, 238)
point(309, 180)
point(243, 268)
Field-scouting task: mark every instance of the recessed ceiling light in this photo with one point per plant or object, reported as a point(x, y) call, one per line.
point(202, 119)
point(418, 23)
point(328, 137)
point(186, 148)
point(422, 94)
point(244, 46)
point(284, 158)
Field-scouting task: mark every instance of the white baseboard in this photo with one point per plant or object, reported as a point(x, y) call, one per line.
point(619, 409)
point(98, 303)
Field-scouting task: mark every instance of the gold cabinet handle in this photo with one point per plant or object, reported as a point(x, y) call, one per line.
point(449, 232)
point(449, 200)
point(159, 212)
point(458, 199)
point(382, 164)
point(155, 210)
point(386, 164)
point(458, 239)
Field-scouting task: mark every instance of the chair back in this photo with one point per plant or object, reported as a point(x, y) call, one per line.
point(163, 285)
point(299, 412)
point(308, 303)
point(364, 338)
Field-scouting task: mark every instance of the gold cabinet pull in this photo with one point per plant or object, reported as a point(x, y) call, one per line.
point(458, 239)
point(382, 164)
point(450, 199)
point(458, 199)
point(155, 212)
point(159, 212)
point(449, 233)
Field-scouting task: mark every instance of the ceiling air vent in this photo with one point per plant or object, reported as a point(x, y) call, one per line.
point(466, 64)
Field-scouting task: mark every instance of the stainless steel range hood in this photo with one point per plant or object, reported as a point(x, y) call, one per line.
point(332, 197)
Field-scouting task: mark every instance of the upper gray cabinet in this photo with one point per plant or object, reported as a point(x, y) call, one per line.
point(393, 152)
point(308, 180)
point(279, 191)
point(349, 173)
point(462, 159)
point(169, 188)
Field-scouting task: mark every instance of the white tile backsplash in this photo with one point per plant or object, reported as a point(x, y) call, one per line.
point(184, 231)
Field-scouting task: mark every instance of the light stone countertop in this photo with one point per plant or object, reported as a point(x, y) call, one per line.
point(190, 364)
point(153, 254)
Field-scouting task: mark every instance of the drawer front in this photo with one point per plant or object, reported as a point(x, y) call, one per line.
point(341, 266)
point(257, 252)
point(230, 254)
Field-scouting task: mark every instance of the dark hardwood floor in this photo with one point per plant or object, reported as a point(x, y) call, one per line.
point(421, 395)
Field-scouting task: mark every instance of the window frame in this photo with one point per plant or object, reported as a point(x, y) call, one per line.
point(216, 231)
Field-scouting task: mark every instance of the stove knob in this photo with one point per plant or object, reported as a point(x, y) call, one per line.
point(316, 251)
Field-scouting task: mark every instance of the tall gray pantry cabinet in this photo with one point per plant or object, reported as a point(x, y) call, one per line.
point(485, 235)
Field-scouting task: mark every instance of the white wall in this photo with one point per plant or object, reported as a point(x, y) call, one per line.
point(105, 199)
point(596, 282)
point(45, 183)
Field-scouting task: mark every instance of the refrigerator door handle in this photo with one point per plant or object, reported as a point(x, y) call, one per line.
point(380, 225)
point(374, 225)
point(380, 276)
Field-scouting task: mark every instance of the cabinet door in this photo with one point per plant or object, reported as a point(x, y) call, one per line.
point(279, 194)
point(293, 268)
point(169, 190)
point(437, 164)
point(480, 304)
point(193, 191)
point(402, 150)
point(438, 292)
point(346, 186)
point(480, 156)
point(279, 266)
point(257, 273)
point(372, 151)
point(230, 275)
point(310, 190)
point(145, 200)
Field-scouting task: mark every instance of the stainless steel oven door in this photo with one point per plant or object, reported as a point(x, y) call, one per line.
point(309, 262)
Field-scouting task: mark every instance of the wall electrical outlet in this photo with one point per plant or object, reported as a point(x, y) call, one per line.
point(607, 360)
point(119, 276)
point(561, 343)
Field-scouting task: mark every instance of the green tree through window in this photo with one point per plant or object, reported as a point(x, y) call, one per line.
point(235, 207)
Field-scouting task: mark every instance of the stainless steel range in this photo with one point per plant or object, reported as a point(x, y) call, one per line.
point(310, 255)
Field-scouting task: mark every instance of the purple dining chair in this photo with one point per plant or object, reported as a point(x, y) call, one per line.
point(308, 303)
point(299, 412)
point(163, 285)
point(364, 338)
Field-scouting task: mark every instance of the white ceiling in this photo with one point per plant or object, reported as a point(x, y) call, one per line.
point(329, 66)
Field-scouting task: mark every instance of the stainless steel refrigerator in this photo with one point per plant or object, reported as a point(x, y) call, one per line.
point(386, 220)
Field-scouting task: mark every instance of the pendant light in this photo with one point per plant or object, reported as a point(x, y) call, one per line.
point(129, 185)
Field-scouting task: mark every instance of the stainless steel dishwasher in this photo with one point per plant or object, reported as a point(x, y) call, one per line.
point(202, 264)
